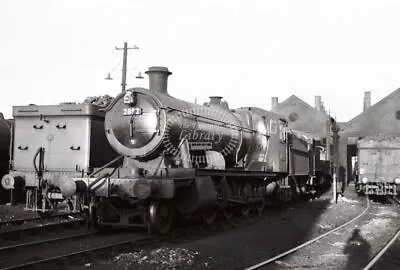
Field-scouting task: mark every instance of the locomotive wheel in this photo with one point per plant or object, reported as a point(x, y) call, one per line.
point(228, 212)
point(246, 194)
point(161, 215)
point(245, 210)
point(260, 205)
point(96, 216)
point(209, 215)
point(226, 192)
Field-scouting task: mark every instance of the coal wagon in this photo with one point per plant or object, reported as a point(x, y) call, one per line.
point(51, 144)
point(378, 165)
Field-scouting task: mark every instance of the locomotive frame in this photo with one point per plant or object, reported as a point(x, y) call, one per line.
point(190, 191)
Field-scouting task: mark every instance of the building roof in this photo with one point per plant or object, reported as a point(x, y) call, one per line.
point(383, 117)
point(301, 116)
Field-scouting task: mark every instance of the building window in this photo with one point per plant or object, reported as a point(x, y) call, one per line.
point(397, 115)
point(293, 116)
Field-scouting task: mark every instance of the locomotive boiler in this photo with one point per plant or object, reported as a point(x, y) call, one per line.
point(144, 124)
point(183, 159)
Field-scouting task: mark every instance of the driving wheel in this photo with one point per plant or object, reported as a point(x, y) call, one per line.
point(161, 215)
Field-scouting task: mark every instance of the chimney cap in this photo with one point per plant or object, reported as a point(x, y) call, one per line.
point(215, 100)
point(158, 69)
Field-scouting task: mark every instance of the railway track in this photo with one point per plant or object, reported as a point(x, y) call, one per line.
point(394, 200)
point(33, 244)
point(383, 251)
point(371, 263)
point(308, 243)
point(102, 245)
point(76, 247)
point(109, 243)
point(16, 222)
point(17, 231)
point(391, 241)
point(67, 257)
point(31, 240)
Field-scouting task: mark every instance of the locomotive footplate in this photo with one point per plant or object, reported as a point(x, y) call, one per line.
point(140, 188)
point(240, 173)
point(162, 185)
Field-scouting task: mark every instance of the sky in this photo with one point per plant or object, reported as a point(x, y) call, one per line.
point(246, 51)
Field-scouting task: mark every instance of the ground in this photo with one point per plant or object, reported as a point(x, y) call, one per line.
point(280, 230)
point(10, 212)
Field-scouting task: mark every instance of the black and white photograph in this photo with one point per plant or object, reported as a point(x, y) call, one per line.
point(260, 134)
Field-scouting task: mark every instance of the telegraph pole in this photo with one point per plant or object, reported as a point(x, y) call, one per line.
point(335, 131)
point(125, 63)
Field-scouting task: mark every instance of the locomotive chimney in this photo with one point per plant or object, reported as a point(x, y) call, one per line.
point(158, 79)
point(274, 102)
point(215, 101)
point(318, 104)
point(367, 100)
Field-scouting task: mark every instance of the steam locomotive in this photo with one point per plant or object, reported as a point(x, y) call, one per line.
point(175, 158)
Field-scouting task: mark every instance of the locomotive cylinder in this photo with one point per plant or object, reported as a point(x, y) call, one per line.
point(144, 189)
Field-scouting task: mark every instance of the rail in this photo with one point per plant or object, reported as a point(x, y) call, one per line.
point(46, 241)
point(28, 220)
point(383, 250)
point(281, 255)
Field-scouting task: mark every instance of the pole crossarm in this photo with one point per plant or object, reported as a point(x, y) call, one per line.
point(125, 63)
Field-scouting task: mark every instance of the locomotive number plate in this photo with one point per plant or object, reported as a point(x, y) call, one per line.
point(133, 111)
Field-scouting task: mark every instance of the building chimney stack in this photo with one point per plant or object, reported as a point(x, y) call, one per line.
point(158, 79)
point(367, 100)
point(318, 103)
point(274, 102)
point(215, 100)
